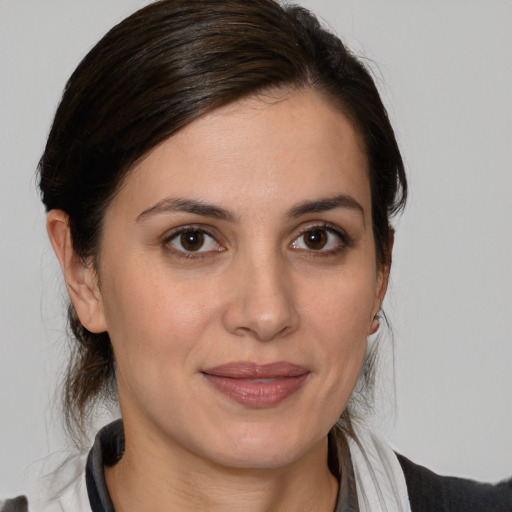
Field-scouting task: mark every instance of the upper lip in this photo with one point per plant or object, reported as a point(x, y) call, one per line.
point(250, 370)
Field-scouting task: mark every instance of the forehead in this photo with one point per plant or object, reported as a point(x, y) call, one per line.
point(291, 147)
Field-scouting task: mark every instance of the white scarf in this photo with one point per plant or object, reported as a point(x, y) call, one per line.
point(380, 481)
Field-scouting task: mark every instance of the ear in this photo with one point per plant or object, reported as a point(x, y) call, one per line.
point(382, 283)
point(80, 277)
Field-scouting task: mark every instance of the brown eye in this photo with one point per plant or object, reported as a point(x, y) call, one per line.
point(315, 239)
point(189, 241)
point(324, 240)
point(192, 240)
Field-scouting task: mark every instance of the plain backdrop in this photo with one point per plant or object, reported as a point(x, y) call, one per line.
point(444, 68)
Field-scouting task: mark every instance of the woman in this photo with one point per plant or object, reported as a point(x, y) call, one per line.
point(219, 181)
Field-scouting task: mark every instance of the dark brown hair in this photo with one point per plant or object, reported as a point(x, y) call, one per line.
point(157, 71)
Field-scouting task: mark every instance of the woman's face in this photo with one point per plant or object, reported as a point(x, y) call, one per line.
point(238, 282)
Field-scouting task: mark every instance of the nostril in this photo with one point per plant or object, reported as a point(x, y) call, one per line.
point(261, 303)
point(265, 321)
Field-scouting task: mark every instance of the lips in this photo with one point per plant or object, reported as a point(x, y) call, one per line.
point(257, 386)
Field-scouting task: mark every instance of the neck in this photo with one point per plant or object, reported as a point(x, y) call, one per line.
point(151, 478)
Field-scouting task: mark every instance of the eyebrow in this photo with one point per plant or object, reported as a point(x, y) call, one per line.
point(326, 204)
point(172, 205)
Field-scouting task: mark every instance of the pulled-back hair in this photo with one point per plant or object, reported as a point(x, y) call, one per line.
point(157, 71)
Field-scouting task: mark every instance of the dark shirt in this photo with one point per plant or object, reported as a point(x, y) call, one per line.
point(429, 492)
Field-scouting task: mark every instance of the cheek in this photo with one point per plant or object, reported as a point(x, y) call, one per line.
point(339, 321)
point(342, 306)
point(155, 323)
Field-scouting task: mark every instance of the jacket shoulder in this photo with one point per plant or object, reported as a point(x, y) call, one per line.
point(429, 491)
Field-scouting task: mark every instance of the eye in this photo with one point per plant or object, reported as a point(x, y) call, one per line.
point(319, 238)
point(191, 240)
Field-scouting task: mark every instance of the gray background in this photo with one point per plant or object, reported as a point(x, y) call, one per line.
point(444, 68)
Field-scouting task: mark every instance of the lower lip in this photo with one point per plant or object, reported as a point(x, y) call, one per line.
point(257, 394)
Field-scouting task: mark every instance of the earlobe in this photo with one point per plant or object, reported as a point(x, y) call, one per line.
point(80, 277)
point(375, 324)
point(382, 285)
point(382, 282)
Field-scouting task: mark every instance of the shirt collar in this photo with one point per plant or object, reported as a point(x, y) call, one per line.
point(108, 448)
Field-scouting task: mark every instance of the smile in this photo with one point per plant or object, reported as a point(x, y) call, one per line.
point(257, 386)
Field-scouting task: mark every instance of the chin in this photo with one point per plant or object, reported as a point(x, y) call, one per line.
point(263, 447)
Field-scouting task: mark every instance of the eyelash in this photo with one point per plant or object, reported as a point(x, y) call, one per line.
point(192, 254)
point(345, 241)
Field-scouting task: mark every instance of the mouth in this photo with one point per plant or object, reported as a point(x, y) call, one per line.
point(257, 386)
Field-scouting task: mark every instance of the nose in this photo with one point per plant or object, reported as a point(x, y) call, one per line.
point(262, 303)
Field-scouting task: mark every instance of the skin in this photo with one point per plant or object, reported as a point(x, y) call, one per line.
point(255, 291)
